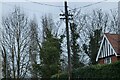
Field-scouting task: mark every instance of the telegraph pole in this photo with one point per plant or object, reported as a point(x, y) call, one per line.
point(68, 42)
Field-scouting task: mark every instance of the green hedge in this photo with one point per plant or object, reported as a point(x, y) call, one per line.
point(94, 72)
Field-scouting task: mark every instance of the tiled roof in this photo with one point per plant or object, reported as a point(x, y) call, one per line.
point(114, 39)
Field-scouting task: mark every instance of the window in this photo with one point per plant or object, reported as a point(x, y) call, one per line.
point(107, 60)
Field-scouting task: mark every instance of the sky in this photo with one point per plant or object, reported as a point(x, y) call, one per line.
point(59, 0)
point(35, 9)
point(38, 10)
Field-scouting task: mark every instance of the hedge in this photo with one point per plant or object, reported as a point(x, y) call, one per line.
point(94, 72)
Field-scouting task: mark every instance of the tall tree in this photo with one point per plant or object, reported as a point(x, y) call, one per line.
point(95, 27)
point(94, 45)
point(50, 56)
point(15, 41)
point(33, 47)
point(99, 25)
point(50, 50)
point(6, 71)
point(75, 48)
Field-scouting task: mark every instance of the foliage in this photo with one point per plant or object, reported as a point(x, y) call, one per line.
point(94, 45)
point(75, 46)
point(50, 55)
point(50, 52)
point(33, 46)
point(105, 72)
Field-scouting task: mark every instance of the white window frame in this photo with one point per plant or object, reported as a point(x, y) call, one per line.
point(107, 60)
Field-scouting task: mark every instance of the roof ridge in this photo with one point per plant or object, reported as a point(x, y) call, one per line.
point(112, 33)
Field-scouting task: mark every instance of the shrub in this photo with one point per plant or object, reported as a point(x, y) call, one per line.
point(93, 72)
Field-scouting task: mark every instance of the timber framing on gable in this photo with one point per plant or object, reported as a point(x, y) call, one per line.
point(106, 49)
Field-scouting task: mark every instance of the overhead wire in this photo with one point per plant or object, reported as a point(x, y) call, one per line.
point(63, 6)
point(68, 6)
point(89, 5)
point(26, 9)
point(48, 5)
point(41, 3)
point(78, 9)
point(44, 4)
point(33, 11)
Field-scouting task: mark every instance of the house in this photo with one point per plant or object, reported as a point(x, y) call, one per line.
point(109, 50)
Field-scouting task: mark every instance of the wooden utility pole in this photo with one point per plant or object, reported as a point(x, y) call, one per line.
point(68, 42)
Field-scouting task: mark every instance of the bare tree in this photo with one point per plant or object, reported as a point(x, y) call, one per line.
point(33, 49)
point(15, 40)
point(114, 22)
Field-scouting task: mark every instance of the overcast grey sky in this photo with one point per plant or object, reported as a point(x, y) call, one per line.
point(34, 9)
point(38, 10)
point(59, 0)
